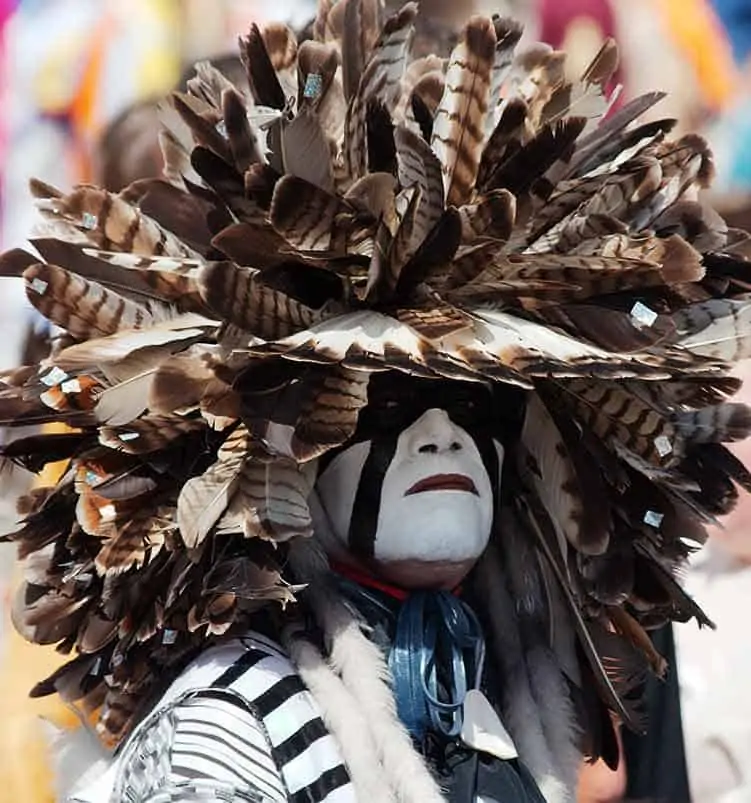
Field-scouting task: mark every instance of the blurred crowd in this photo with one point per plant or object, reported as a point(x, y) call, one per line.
point(79, 79)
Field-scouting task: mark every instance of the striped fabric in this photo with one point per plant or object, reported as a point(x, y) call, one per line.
point(237, 725)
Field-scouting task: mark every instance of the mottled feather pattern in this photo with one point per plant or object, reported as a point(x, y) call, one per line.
point(240, 296)
point(458, 131)
point(112, 224)
point(85, 309)
point(380, 79)
point(615, 415)
point(270, 502)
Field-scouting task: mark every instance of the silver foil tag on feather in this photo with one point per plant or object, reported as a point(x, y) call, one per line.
point(39, 286)
point(71, 386)
point(96, 666)
point(169, 637)
point(54, 377)
point(653, 519)
point(313, 86)
point(221, 129)
point(125, 437)
point(89, 221)
point(663, 445)
point(642, 316)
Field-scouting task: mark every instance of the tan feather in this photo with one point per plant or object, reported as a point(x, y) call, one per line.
point(240, 296)
point(110, 223)
point(547, 467)
point(125, 401)
point(490, 215)
point(270, 501)
point(419, 166)
point(122, 347)
point(362, 24)
point(507, 33)
point(320, 88)
point(458, 131)
point(181, 381)
point(204, 499)
point(717, 328)
point(86, 309)
point(381, 79)
point(306, 151)
point(242, 138)
point(281, 45)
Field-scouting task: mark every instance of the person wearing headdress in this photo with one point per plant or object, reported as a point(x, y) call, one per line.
point(394, 408)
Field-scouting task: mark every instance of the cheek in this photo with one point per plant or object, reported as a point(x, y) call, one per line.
point(337, 488)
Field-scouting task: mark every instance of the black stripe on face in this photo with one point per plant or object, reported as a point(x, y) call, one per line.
point(326, 783)
point(364, 521)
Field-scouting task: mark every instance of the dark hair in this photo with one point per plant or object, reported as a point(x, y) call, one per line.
point(128, 149)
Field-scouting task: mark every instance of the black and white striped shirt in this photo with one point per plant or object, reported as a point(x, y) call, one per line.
point(237, 725)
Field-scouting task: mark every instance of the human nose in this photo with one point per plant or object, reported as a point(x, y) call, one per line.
point(434, 432)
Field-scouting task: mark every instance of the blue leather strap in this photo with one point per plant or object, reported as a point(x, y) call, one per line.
point(437, 655)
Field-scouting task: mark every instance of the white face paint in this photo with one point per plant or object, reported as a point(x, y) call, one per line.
point(436, 499)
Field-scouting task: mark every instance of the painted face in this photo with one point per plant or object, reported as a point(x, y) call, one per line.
point(414, 502)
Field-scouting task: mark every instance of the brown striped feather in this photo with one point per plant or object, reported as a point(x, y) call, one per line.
point(241, 297)
point(380, 80)
point(548, 467)
point(458, 131)
point(620, 418)
point(110, 223)
point(270, 501)
point(419, 166)
point(85, 309)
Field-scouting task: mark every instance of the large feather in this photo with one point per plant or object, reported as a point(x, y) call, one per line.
point(204, 499)
point(458, 131)
point(379, 80)
point(563, 481)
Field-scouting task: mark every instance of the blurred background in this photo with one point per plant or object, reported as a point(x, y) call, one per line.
point(79, 79)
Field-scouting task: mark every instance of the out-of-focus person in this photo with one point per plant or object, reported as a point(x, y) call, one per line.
point(716, 666)
point(736, 17)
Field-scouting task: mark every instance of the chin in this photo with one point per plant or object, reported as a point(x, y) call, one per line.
point(435, 575)
point(447, 526)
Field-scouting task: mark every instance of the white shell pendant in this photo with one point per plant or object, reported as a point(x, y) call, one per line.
point(483, 730)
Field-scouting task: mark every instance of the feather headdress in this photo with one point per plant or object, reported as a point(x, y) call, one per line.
point(353, 211)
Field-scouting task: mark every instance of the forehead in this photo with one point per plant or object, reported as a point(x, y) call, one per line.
point(396, 400)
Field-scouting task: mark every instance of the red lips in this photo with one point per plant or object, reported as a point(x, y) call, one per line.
point(443, 482)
